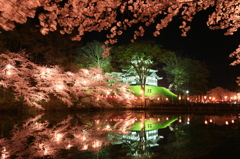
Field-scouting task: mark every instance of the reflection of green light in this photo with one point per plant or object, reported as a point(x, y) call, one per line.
point(152, 125)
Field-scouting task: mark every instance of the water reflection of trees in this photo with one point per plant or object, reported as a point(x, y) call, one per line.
point(36, 138)
point(97, 135)
point(86, 135)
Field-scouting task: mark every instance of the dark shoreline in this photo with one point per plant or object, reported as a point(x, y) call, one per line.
point(197, 108)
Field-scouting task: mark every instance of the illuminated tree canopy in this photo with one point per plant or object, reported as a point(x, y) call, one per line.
point(97, 15)
point(35, 84)
point(117, 15)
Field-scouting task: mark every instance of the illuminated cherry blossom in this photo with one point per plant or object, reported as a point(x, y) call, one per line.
point(37, 83)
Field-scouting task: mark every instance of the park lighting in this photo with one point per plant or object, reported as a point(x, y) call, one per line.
point(85, 147)
point(60, 87)
point(85, 71)
point(142, 125)
point(58, 137)
point(8, 66)
point(225, 97)
point(8, 73)
point(68, 146)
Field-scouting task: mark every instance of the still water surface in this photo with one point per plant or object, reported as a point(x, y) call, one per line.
point(120, 135)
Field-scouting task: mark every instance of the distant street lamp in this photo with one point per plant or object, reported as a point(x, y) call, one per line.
point(187, 91)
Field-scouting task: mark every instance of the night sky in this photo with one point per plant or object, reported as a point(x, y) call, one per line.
point(201, 43)
point(211, 46)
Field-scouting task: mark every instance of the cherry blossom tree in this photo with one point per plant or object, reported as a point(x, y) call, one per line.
point(96, 15)
point(34, 84)
point(219, 93)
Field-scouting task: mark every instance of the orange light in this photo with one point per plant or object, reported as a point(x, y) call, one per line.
point(8, 66)
point(180, 120)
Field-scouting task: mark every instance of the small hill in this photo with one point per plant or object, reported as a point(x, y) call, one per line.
point(154, 91)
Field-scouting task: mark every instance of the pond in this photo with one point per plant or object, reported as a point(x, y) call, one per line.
point(120, 135)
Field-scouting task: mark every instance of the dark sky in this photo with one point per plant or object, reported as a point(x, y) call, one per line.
point(211, 46)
